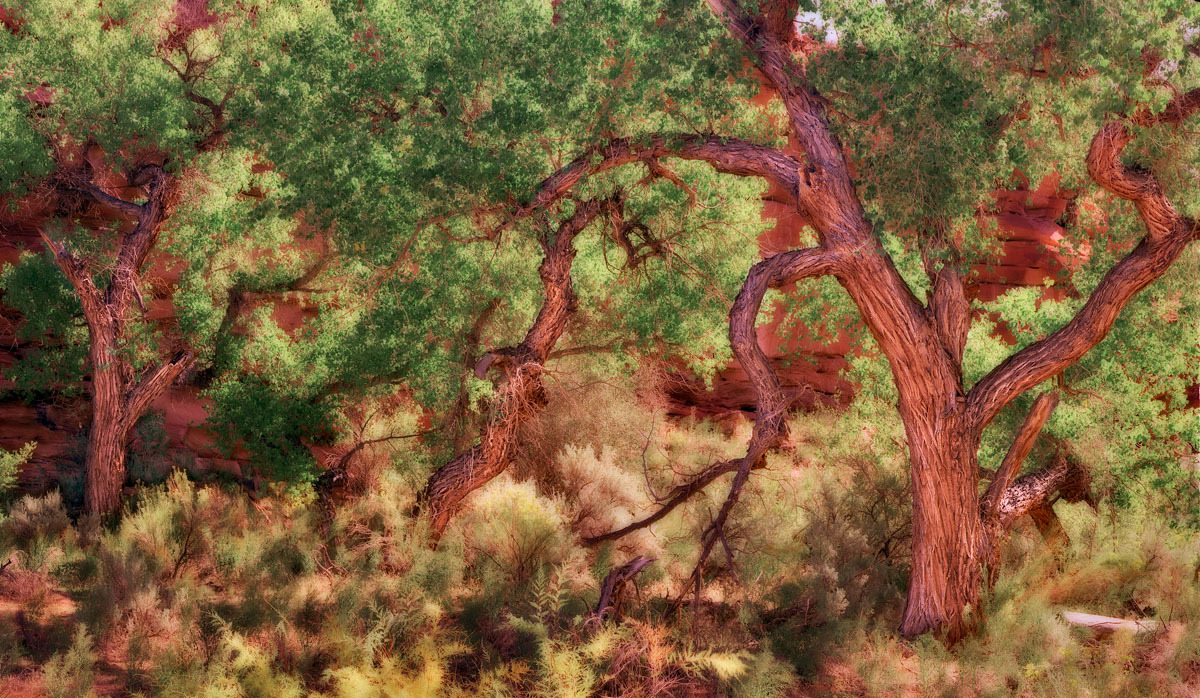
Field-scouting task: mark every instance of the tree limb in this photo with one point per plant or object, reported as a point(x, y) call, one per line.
point(77, 273)
point(102, 197)
point(153, 385)
point(1167, 234)
point(727, 155)
point(1042, 408)
point(1028, 492)
point(523, 393)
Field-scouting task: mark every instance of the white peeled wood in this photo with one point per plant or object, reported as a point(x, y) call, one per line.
point(1108, 624)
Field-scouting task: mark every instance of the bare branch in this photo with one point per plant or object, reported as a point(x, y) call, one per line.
point(1042, 408)
point(91, 189)
point(678, 495)
point(769, 426)
point(153, 385)
point(1177, 110)
point(611, 590)
point(79, 275)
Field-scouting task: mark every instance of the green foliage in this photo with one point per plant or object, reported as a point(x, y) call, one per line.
point(70, 674)
point(51, 319)
point(517, 531)
point(10, 464)
point(332, 249)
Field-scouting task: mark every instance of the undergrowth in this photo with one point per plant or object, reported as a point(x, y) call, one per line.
point(203, 591)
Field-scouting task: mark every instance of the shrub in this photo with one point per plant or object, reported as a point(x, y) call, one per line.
point(70, 674)
point(10, 465)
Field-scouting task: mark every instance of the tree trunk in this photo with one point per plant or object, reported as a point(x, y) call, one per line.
point(523, 393)
point(947, 529)
point(105, 465)
point(119, 399)
point(104, 468)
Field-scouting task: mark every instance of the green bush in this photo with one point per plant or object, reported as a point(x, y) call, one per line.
point(10, 466)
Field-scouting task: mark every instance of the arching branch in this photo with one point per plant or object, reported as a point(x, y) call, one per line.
point(1167, 235)
point(523, 393)
point(727, 155)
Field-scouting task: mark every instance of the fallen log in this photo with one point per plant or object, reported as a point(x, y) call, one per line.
point(1106, 625)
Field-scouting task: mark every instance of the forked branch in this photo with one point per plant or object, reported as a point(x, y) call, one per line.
point(1043, 407)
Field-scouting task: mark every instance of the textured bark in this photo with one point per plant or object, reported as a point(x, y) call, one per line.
point(119, 398)
point(1065, 476)
point(946, 529)
point(728, 155)
point(995, 526)
point(1048, 525)
point(522, 394)
point(920, 346)
point(923, 345)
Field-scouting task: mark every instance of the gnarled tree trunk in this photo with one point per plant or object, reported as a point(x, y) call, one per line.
point(119, 399)
point(523, 393)
point(947, 529)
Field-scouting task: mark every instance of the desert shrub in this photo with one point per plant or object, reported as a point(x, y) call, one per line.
point(200, 591)
point(70, 674)
point(765, 677)
point(515, 533)
point(34, 518)
point(10, 465)
point(573, 656)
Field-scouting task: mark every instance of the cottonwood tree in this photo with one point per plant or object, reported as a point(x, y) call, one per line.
point(934, 113)
point(903, 126)
point(118, 114)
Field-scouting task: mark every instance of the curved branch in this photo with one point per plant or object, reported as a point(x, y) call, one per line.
point(1178, 109)
point(727, 155)
point(770, 428)
point(826, 189)
point(1167, 234)
point(93, 190)
point(827, 195)
point(678, 495)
